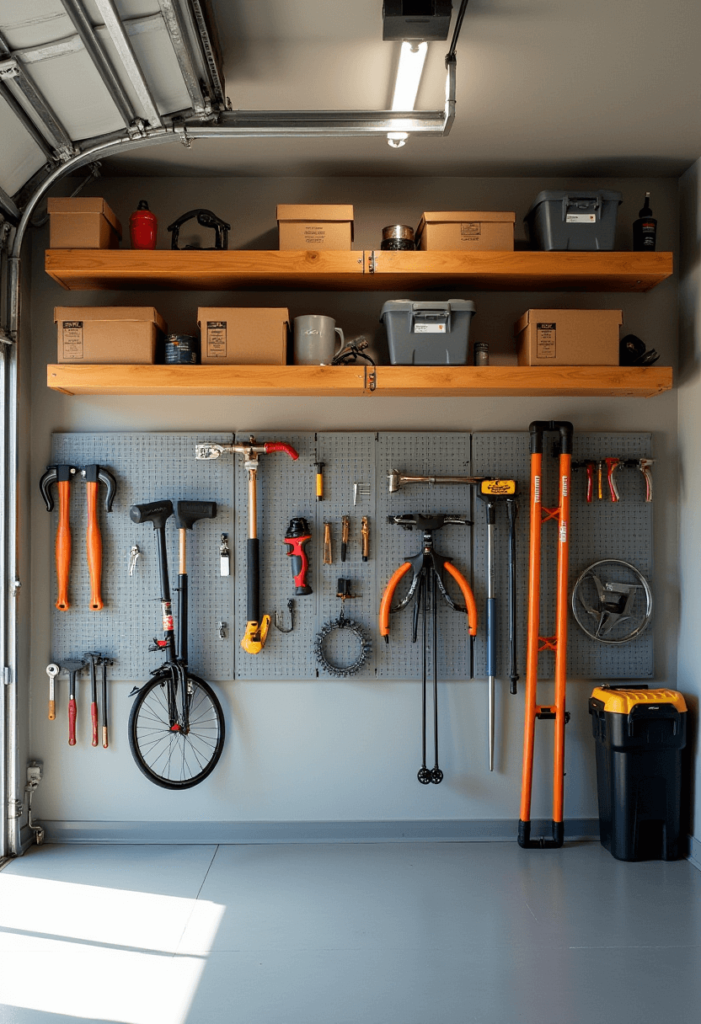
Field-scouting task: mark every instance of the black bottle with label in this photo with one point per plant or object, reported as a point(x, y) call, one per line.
point(645, 229)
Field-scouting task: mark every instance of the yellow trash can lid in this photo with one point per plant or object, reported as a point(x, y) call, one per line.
point(621, 702)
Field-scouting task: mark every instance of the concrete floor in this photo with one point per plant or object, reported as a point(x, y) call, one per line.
point(393, 933)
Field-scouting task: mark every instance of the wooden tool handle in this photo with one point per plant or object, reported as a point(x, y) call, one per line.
point(71, 721)
point(104, 737)
point(52, 710)
point(93, 541)
point(63, 544)
point(93, 715)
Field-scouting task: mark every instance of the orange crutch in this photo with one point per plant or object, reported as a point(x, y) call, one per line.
point(537, 643)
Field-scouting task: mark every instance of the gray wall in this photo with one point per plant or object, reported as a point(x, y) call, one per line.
point(322, 750)
point(690, 471)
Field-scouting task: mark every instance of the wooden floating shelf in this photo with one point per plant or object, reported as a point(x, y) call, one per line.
point(341, 381)
point(255, 270)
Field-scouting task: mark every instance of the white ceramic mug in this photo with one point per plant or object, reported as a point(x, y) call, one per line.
point(315, 340)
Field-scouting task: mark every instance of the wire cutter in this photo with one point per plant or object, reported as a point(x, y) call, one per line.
point(427, 581)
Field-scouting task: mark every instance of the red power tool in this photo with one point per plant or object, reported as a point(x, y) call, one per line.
point(298, 533)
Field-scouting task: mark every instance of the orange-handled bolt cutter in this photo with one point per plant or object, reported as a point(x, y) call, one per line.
point(537, 643)
point(426, 582)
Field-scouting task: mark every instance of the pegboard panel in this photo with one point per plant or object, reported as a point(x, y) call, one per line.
point(147, 467)
point(349, 459)
point(423, 454)
point(602, 529)
point(285, 490)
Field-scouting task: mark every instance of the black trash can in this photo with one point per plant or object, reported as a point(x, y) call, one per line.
point(640, 735)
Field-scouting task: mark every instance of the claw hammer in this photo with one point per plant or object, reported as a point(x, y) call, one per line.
point(94, 476)
point(62, 476)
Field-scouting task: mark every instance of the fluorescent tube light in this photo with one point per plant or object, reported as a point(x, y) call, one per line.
point(412, 58)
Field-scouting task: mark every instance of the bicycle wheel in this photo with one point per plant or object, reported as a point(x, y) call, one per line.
point(171, 757)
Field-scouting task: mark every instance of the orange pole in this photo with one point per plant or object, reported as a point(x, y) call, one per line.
point(532, 636)
point(563, 549)
point(388, 595)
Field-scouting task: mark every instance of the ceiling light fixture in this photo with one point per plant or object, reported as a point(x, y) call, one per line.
point(412, 58)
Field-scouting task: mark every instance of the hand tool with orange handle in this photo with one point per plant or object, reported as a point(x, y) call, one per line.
point(535, 642)
point(104, 662)
point(612, 465)
point(72, 668)
point(257, 628)
point(93, 660)
point(94, 476)
point(427, 582)
point(52, 671)
point(62, 476)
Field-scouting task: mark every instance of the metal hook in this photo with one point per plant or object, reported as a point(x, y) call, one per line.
point(290, 608)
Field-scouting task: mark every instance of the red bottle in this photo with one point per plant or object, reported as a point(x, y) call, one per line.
point(143, 227)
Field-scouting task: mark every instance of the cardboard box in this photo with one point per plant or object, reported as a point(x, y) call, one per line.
point(315, 227)
point(108, 334)
point(466, 230)
point(568, 337)
point(243, 336)
point(82, 224)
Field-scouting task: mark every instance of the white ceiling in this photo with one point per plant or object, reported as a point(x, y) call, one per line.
point(571, 87)
point(556, 87)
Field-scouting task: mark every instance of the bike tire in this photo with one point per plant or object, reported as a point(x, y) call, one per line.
point(172, 759)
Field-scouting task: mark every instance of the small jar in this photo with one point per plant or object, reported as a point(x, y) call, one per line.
point(481, 353)
point(182, 349)
point(398, 238)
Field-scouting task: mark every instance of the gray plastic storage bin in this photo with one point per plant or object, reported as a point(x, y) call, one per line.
point(428, 333)
point(579, 221)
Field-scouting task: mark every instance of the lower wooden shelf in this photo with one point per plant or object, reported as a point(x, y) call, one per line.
point(397, 381)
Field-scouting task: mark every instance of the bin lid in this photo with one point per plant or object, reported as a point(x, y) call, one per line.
point(621, 702)
point(409, 306)
point(557, 195)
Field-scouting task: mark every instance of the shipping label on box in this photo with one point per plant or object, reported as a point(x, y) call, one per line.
point(470, 230)
point(72, 339)
point(546, 338)
point(215, 339)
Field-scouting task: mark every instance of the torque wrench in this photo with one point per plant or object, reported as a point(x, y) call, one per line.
point(52, 671)
point(297, 536)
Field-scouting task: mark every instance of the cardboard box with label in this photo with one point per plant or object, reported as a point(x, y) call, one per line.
point(315, 227)
point(82, 223)
point(235, 336)
point(108, 334)
point(446, 231)
point(568, 337)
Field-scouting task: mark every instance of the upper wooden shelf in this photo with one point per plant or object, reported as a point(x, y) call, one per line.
point(77, 269)
point(341, 381)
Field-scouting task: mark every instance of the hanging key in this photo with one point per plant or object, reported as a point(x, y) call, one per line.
point(224, 556)
point(133, 558)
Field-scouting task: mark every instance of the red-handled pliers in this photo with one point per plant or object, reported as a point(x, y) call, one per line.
point(426, 582)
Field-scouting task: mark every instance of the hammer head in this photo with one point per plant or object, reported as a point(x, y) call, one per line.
point(394, 478)
point(74, 665)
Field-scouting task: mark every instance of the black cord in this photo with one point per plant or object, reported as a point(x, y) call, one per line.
point(456, 32)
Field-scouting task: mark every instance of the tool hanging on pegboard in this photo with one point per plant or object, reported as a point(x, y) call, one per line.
point(494, 493)
point(346, 627)
point(426, 582)
point(602, 607)
point(537, 643)
point(257, 628)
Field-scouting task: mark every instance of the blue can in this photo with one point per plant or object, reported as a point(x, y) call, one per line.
point(182, 349)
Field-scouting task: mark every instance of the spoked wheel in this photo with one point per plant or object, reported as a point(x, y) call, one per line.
point(168, 755)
